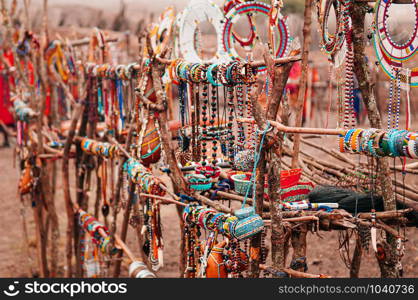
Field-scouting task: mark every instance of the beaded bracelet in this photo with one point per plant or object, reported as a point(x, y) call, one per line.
point(198, 182)
point(355, 145)
point(209, 74)
point(347, 139)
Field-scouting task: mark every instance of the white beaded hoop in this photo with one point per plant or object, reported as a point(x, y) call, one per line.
point(196, 12)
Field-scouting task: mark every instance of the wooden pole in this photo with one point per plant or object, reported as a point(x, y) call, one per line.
point(124, 228)
point(303, 79)
point(69, 206)
point(176, 176)
point(361, 70)
point(299, 130)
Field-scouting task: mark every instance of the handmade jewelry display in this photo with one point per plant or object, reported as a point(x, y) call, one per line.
point(212, 138)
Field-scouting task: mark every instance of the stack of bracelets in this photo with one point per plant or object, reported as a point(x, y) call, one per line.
point(380, 143)
point(198, 182)
point(228, 74)
point(92, 226)
point(142, 176)
point(93, 147)
point(108, 71)
point(243, 225)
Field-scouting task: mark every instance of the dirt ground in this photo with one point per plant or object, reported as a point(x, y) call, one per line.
point(323, 253)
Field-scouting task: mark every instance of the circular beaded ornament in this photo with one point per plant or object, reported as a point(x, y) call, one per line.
point(396, 51)
point(389, 53)
point(161, 33)
point(283, 39)
point(246, 43)
point(197, 12)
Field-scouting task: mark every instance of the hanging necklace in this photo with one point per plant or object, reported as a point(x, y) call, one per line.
point(214, 113)
point(231, 137)
point(240, 108)
point(205, 102)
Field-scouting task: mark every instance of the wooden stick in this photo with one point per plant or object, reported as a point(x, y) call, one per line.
point(277, 61)
point(303, 79)
point(213, 204)
point(124, 228)
point(165, 199)
point(361, 69)
point(302, 219)
point(393, 214)
point(86, 41)
point(69, 205)
point(292, 273)
point(301, 130)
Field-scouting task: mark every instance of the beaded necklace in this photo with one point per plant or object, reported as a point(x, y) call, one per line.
point(231, 137)
point(205, 103)
point(240, 108)
point(193, 249)
point(349, 114)
point(250, 127)
point(214, 113)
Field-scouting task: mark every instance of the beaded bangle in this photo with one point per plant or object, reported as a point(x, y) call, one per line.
point(347, 139)
point(198, 182)
point(341, 142)
point(209, 74)
point(355, 145)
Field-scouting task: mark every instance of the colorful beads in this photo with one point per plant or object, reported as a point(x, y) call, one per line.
point(141, 176)
point(92, 147)
point(244, 160)
point(196, 12)
point(242, 226)
point(198, 182)
point(390, 54)
point(217, 74)
point(379, 143)
point(252, 7)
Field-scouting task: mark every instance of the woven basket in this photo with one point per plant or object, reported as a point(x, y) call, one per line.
point(242, 183)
